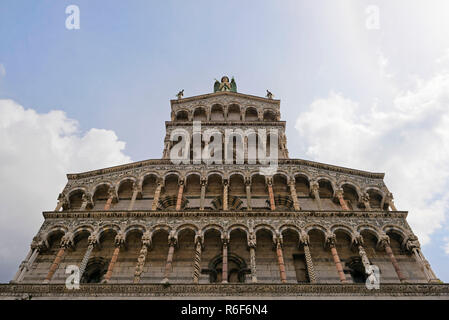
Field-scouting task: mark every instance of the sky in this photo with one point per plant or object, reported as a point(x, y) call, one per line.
point(362, 84)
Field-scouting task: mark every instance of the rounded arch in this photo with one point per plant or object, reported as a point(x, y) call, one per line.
point(342, 228)
point(269, 115)
point(54, 230)
point(238, 173)
point(264, 226)
point(233, 111)
point(171, 172)
point(76, 189)
point(137, 227)
point(182, 115)
point(251, 114)
point(215, 227)
point(200, 114)
point(376, 197)
point(302, 175)
point(110, 227)
point(346, 183)
point(215, 172)
point(133, 179)
point(291, 227)
point(391, 228)
point(237, 226)
point(187, 226)
point(82, 229)
point(316, 226)
point(370, 229)
point(109, 185)
point(147, 174)
point(217, 112)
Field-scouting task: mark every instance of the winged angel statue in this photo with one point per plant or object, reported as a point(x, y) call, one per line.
point(225, 85)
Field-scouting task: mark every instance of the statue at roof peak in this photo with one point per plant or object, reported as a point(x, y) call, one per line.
point(225, 85)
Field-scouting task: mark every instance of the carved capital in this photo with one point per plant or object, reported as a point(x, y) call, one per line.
point(252, 241)
point(146, 239)
point(119, 239)
point(304, 238)
point(67, 240)
point(330, 239)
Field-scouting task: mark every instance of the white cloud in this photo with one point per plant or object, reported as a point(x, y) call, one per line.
point(36, 152)
point(408, 139)
point(446, 245)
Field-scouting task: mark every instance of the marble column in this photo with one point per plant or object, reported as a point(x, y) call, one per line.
point(252, 256)
point(157, 194)
point(66, 241)
point(111, 196)
point(119, 241)
point(136, 192)
point(248, 194)
point(92, 241)
point(224, 274)
point(304, 240)
point(339, 195)
point(197, 259)
point(365, 201)
point(146, 244)
point(315, 190)
point(225, 195)
point(280, 258)
point(22, 266)
point(331, 241)
point(168, 265)
point(294, 196)
point(61, 202)
point(203, 193)
point(413, 245)
point(179, 198)
point(271, 194)
point(385, 243)
point(36, 247)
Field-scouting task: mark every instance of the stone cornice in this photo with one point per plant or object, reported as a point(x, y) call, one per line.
point(227, 123)
point(213, 291)
point(221, 214)
point(224, 93)
point(73, 176)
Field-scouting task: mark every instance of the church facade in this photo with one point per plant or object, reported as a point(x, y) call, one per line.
point(225, 213)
